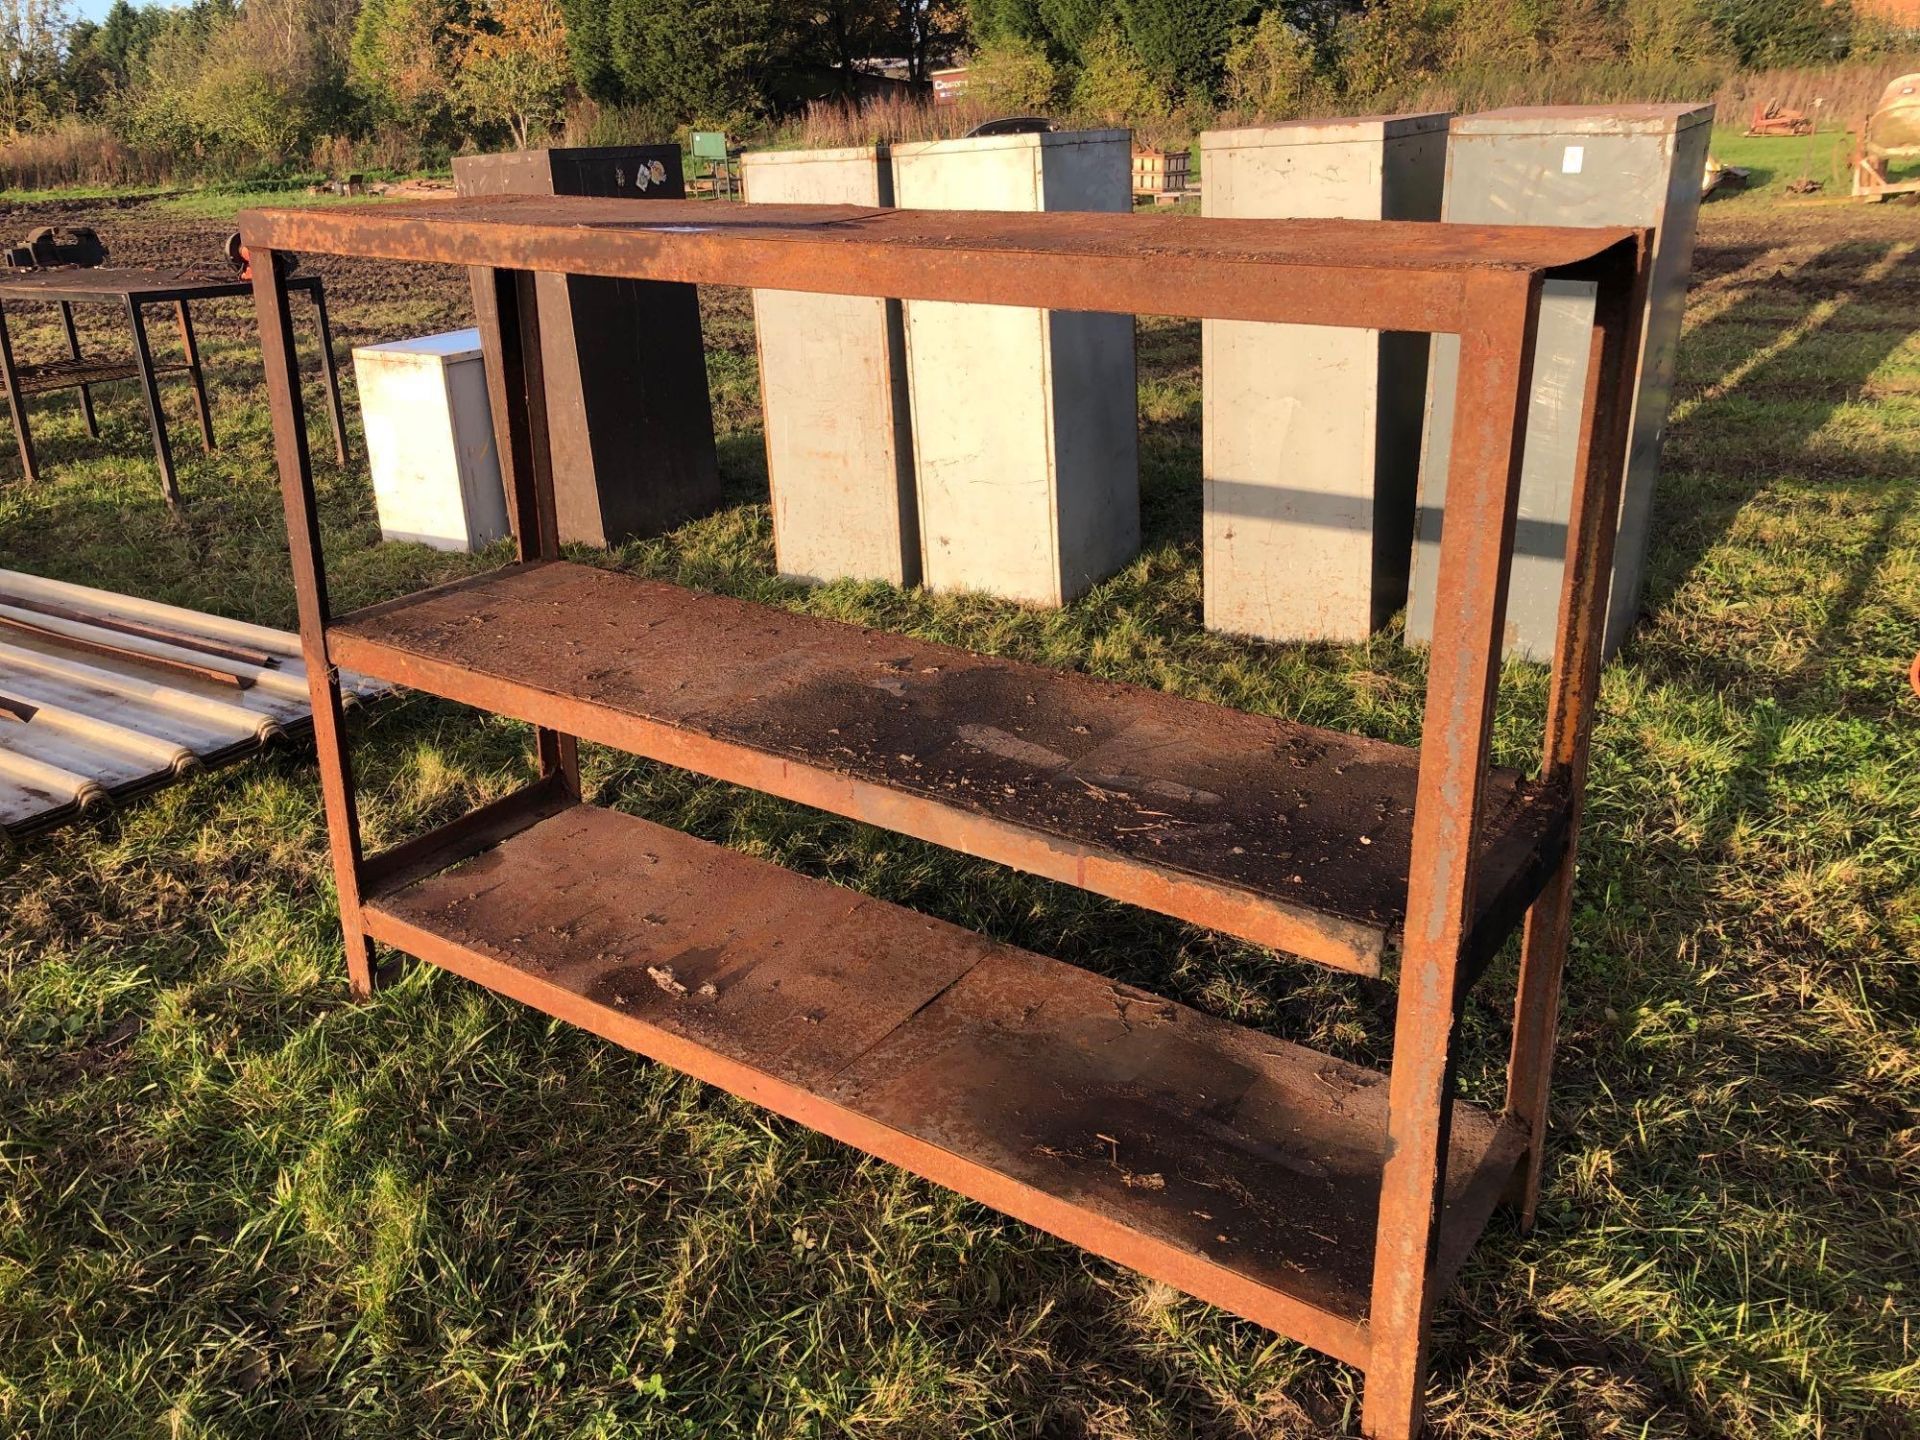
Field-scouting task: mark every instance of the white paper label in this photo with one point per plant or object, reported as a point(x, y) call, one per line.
point(1574, 160)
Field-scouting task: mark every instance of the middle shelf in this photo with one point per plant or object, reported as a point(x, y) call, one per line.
point(1284, 834)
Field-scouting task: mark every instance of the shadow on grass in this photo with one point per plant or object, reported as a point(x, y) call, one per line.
point(1727, 446)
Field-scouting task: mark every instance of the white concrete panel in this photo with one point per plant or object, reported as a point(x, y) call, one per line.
point(1311, 434)
point(833, 394)
point(430, 445)
point(1025, 425)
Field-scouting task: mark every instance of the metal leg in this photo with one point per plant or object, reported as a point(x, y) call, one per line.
point(73, 349)
point(329, 371)
point(195, 374)
point(310, 591)
point(1489, 414)
point(17, 403)
point(1592, 527)
point(520, 393)
point(156, 417)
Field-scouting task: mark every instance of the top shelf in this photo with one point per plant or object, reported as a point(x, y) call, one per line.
point(1369, 274)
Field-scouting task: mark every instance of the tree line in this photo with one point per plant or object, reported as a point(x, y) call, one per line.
point(237, 84)
point(1144, 58)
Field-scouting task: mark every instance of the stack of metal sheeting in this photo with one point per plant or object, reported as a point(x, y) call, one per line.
point(104, 696)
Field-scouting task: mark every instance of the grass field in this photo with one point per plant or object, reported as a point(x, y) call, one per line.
point(235, 1203)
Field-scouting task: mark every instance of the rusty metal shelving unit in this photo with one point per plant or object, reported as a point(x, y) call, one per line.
point(1330, 1203)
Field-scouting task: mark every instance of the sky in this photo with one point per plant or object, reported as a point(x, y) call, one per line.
point(97, 9)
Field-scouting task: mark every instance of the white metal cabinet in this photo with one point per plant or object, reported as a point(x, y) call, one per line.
point(1025, 422)
point(833, 393)
point(1311, 435)
point(436, 473)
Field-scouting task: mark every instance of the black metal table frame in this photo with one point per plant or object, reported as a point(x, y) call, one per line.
point(133, 299)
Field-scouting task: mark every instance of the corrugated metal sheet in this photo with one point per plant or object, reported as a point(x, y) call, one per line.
point(106, 696)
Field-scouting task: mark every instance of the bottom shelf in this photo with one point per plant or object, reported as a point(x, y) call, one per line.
point(72, 374)
point(1237, 1167)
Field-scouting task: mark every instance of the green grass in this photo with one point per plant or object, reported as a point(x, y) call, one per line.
point(65, 194)
point(235, 1203)
point(224, 202)
point(1777, 160)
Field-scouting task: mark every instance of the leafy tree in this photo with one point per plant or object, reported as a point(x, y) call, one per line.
point(829, 36)
point(703, 60)
point(405, 62)
point(1184, 42)
point(1273, 70)
point(1078, 30)
point(1390, 44)
point(514, 70)
point(1500, 34)
point(244, 85)
point(996, 21)
point(102, 59)
point(30, 36)
point(1762, 33)
point(1014, 76)
point(590, 47)
point(1114, 83)
point(1669, 31)
point(927, 28)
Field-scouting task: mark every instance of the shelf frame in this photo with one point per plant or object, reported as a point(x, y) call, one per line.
point(1481, 283)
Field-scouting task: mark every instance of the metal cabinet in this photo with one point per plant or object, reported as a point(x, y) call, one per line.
point(1311, 435)
point(833, 393)
point(1025, 421)
point(430, 446)
point(625, 366)
point(1581, 166)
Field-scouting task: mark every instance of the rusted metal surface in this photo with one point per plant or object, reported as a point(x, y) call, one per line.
point(132, 291)
point(425, 855)
point(145, 629)
point(1495, 373)
point(1572, 691)
point(112, 284)
point(105, 647)
point(1770, 117)
point(44, 247)
point(529, 455)
point(310, 596)
point(1232, 1164)
point(624, 360)
point(1378, 275)
point(997, 1063)
point(1284, 833)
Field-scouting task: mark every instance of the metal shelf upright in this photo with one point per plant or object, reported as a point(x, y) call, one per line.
point(1328, 1202)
